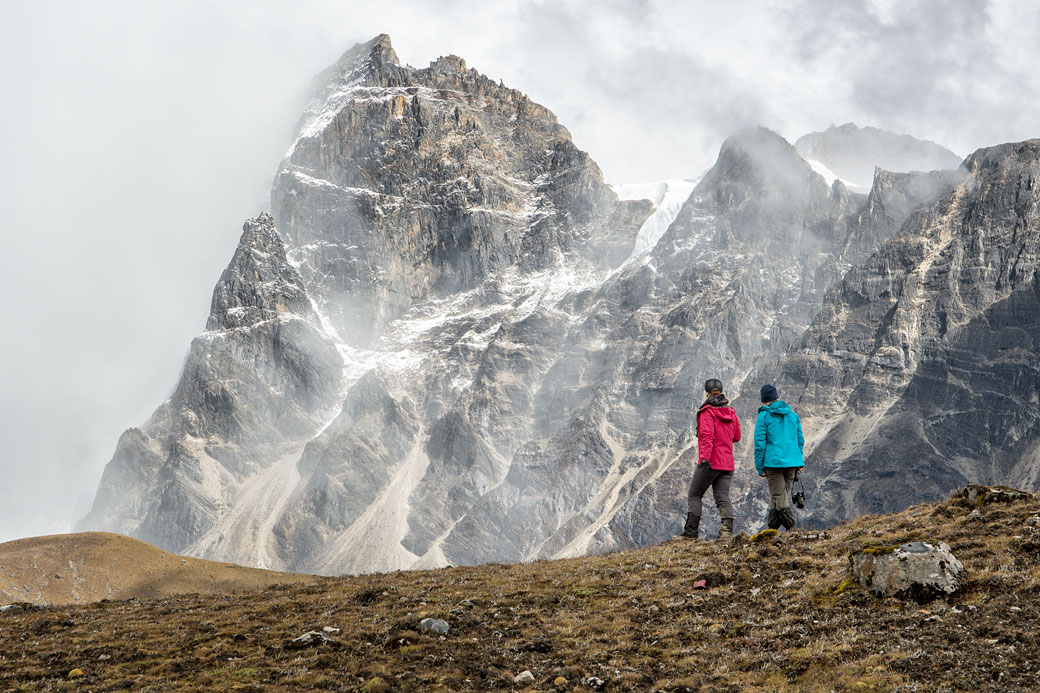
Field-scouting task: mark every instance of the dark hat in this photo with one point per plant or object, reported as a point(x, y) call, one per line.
point(712, 384)
point(769, 394)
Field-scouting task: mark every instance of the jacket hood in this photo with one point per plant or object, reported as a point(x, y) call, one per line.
point(720, 413)
point(780, 408)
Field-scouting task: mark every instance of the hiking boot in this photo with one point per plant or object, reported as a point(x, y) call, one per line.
point(787, 518)
point(693, 523)
point(773, 519)
point(726, 529)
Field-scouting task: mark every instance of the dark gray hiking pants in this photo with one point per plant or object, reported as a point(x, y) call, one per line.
point(779, 480)
point(720, 483)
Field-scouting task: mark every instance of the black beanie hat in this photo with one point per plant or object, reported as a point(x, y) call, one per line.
point(769, 394)
point(712, 384)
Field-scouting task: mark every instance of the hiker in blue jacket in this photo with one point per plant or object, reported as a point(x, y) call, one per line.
point(778, 454)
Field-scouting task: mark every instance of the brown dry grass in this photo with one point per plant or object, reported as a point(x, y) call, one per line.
point(776, 616)
point(99, 565)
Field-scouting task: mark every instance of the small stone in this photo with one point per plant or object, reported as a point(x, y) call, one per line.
point(467, 603)
point(523, 677)
point(330, 630)
point(57, 576)
point(593, 682)
point(311, 638)
point(755, 591)
point(933, 619)
point(975, 515)
point(434, 625)
point(1033, 521)
point(103, 657)
point(77, 674)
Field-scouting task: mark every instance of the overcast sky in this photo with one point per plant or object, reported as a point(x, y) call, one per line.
point(135, 137)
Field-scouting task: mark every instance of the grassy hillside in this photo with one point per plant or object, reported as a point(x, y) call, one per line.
point(69, 568)
point(773, 616)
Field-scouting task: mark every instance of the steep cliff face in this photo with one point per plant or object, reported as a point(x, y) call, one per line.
point(260, 378)
point(920, 373)
point(467, 348)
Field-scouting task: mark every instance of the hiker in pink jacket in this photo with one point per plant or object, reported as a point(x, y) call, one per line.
point(718, 427)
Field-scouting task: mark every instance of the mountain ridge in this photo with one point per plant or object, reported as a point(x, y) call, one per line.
point(853, 153)
point(444, 347)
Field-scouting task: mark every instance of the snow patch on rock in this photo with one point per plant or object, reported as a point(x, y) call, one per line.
point(668, 197)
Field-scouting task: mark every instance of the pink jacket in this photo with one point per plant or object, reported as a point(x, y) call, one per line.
point(717, 429)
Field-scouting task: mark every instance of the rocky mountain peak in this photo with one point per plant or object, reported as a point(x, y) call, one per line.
point(377, 54)
point(448, 63)
point(438, 176)
point(765, 191)
point(1004, 158)
point(852, 153)
point(756, 161)
point(259, 283)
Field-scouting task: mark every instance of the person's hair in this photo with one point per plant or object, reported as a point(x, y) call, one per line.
point(712, 385)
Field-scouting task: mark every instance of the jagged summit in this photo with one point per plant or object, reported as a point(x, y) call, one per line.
point(756, 161)
point(448, 63)
point(437, 175)
point(1003, 156)
point(275, 288)
point(376, 53)
point(852, 153)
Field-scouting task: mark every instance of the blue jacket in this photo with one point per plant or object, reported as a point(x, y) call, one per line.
point(778, 437)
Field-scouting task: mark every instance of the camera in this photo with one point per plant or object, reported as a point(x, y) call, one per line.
point(798, 498)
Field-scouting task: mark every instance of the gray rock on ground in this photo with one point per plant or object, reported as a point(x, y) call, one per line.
point(434, 625)
point(917, 569)
point(978, 495)
point(311, 638)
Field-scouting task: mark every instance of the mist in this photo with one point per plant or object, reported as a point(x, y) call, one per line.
point(137, 137)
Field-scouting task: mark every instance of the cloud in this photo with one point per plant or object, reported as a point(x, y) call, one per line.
point(138, 136)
